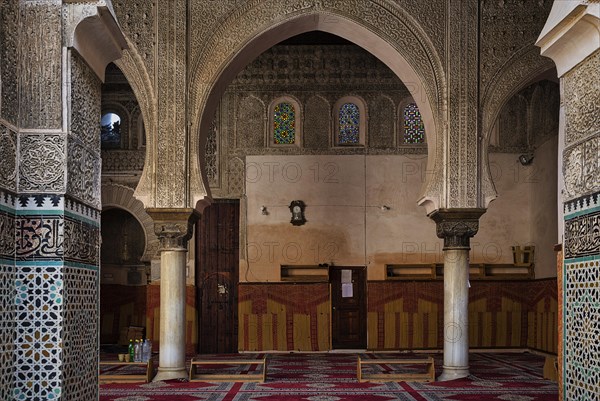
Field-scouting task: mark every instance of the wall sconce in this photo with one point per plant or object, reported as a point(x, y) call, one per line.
point(526, 159)
point(384, 208)
point(264, 211)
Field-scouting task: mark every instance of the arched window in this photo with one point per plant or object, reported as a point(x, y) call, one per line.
point(413, 128)
point(285, 122)
point(350, 121)
point(110, 131)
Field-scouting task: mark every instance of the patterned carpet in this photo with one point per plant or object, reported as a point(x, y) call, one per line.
point(332, 377)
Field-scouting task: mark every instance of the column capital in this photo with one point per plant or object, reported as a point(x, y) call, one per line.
point(456, 226)
point(173, 226)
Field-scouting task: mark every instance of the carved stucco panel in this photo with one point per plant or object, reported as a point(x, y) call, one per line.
point(582, 100)
point(9, 54)
point(85, 103)
point(8, 155)
point(507, 28)
point(84, 170)
point(172, 123)
point(40, 81)
point(42, 162)
point(137, 18)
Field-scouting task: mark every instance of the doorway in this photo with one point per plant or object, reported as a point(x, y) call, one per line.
point(217, 267)
point(348, 307)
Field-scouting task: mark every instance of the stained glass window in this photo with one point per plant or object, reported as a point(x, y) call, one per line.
point(110, 130)
point(349, 119)
point(284, 124)
point(414, 129)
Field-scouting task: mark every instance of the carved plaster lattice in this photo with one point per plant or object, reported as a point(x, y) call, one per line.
point(582, 100)
point(236, 177)
point(42, 162)
point(317, 126)
point(382, 120)
point(123, 160)
point(250, 122)
point(8, 155)
point(9, 53)
point(85, 103)
point(506, 28)
point(40, 65)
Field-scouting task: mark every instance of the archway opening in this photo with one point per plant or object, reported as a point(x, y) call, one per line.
point(356, 193)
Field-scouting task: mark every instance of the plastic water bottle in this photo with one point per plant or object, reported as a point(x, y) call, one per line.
point(131, 350)
point(137, 351)
point(145, 351)
point(149, 356)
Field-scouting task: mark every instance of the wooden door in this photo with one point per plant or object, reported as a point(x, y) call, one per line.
point(349, 307)
point(217, 270)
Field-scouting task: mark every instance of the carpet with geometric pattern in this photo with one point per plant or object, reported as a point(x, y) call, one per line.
point(332, 377)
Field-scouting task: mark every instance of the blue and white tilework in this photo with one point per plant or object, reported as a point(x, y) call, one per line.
point(581, 297)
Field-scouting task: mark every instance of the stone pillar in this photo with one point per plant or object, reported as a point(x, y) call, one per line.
point(173, 228)
point(571, 38)
point(456, 227)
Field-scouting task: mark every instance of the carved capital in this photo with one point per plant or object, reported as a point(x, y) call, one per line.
point(173, 227)
point(456, 226)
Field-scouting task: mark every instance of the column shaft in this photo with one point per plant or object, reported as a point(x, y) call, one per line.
point(456, 314)
point(172, 315)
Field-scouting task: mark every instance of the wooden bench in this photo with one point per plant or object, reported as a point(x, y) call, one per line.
point(427, 376)
point(551, 368)
point(231, 377)
point(125, 377)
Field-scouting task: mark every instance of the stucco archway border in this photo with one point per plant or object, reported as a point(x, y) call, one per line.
point(380, 27)
point(524, 68)
point(119, 196)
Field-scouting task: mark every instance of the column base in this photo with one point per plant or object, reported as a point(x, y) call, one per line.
point(170, 374)
point(453, 372)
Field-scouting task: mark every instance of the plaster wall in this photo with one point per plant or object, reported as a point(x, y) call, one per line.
point(348, 225)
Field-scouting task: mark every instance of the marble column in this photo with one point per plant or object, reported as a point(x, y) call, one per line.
point(173, 228)
point(456, 227)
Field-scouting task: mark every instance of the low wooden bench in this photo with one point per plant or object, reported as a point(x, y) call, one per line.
point(125, 377)
point(231, 377)
point(427, 376)
point(551, 368)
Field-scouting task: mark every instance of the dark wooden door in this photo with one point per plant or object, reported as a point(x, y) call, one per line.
point(217, 267)
point(349, 307)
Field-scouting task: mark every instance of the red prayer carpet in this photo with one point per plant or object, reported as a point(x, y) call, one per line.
point(332, 377)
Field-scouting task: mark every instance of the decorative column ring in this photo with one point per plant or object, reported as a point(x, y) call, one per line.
point(456, 227)
point(174, 228)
